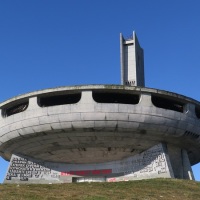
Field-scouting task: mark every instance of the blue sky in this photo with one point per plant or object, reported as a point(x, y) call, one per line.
point(49, 43)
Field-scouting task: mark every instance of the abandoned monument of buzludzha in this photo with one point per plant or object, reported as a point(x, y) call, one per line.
point(101, 132)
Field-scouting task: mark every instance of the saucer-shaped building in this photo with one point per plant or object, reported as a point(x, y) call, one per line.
point(101, 132)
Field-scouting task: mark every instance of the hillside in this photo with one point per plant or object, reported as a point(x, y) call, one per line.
point(165, 189)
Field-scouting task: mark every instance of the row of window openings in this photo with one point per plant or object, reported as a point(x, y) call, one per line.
point(191, 134)
point(99, 97)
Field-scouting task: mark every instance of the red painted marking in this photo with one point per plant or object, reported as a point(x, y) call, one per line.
point(95, 172)
point(82, 173)
point(87, 172)
point(106, 171)
point(65, 174)
point(112, 180)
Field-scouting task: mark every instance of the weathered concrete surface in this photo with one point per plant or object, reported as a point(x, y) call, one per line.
point(91, 132)
point(152, 163)
point(132, 61)
point(180, 163)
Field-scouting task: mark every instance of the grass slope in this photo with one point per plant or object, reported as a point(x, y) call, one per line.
point(152, 189)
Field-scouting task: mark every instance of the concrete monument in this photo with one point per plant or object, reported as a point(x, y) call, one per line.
point(101, 132)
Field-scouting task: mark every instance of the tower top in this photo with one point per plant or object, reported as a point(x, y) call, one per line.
point(132, 61)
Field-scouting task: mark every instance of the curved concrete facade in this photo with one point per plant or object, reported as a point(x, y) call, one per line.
point(90, 132)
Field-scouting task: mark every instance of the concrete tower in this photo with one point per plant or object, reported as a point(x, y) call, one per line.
point(132, 61)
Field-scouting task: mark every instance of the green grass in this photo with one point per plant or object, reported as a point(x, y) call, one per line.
point(152, 189)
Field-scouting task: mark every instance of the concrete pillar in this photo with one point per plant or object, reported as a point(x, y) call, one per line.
point(33, 104)
point(86, 97)
point(145, 100)
point(1, 116)
point(175, 156)
point(189, 109)
point(180, 162)
point(187, 170)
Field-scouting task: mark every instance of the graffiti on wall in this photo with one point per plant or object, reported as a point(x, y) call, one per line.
point(151, 163)
point(24, 169)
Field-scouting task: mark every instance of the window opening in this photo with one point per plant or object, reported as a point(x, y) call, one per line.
point(197, 111)
point(59, 100)
point(162, 102)
point(15, 109)
point(106, 97)
point(191, 134)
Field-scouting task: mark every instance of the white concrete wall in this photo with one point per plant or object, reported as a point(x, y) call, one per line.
point(130, 63)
